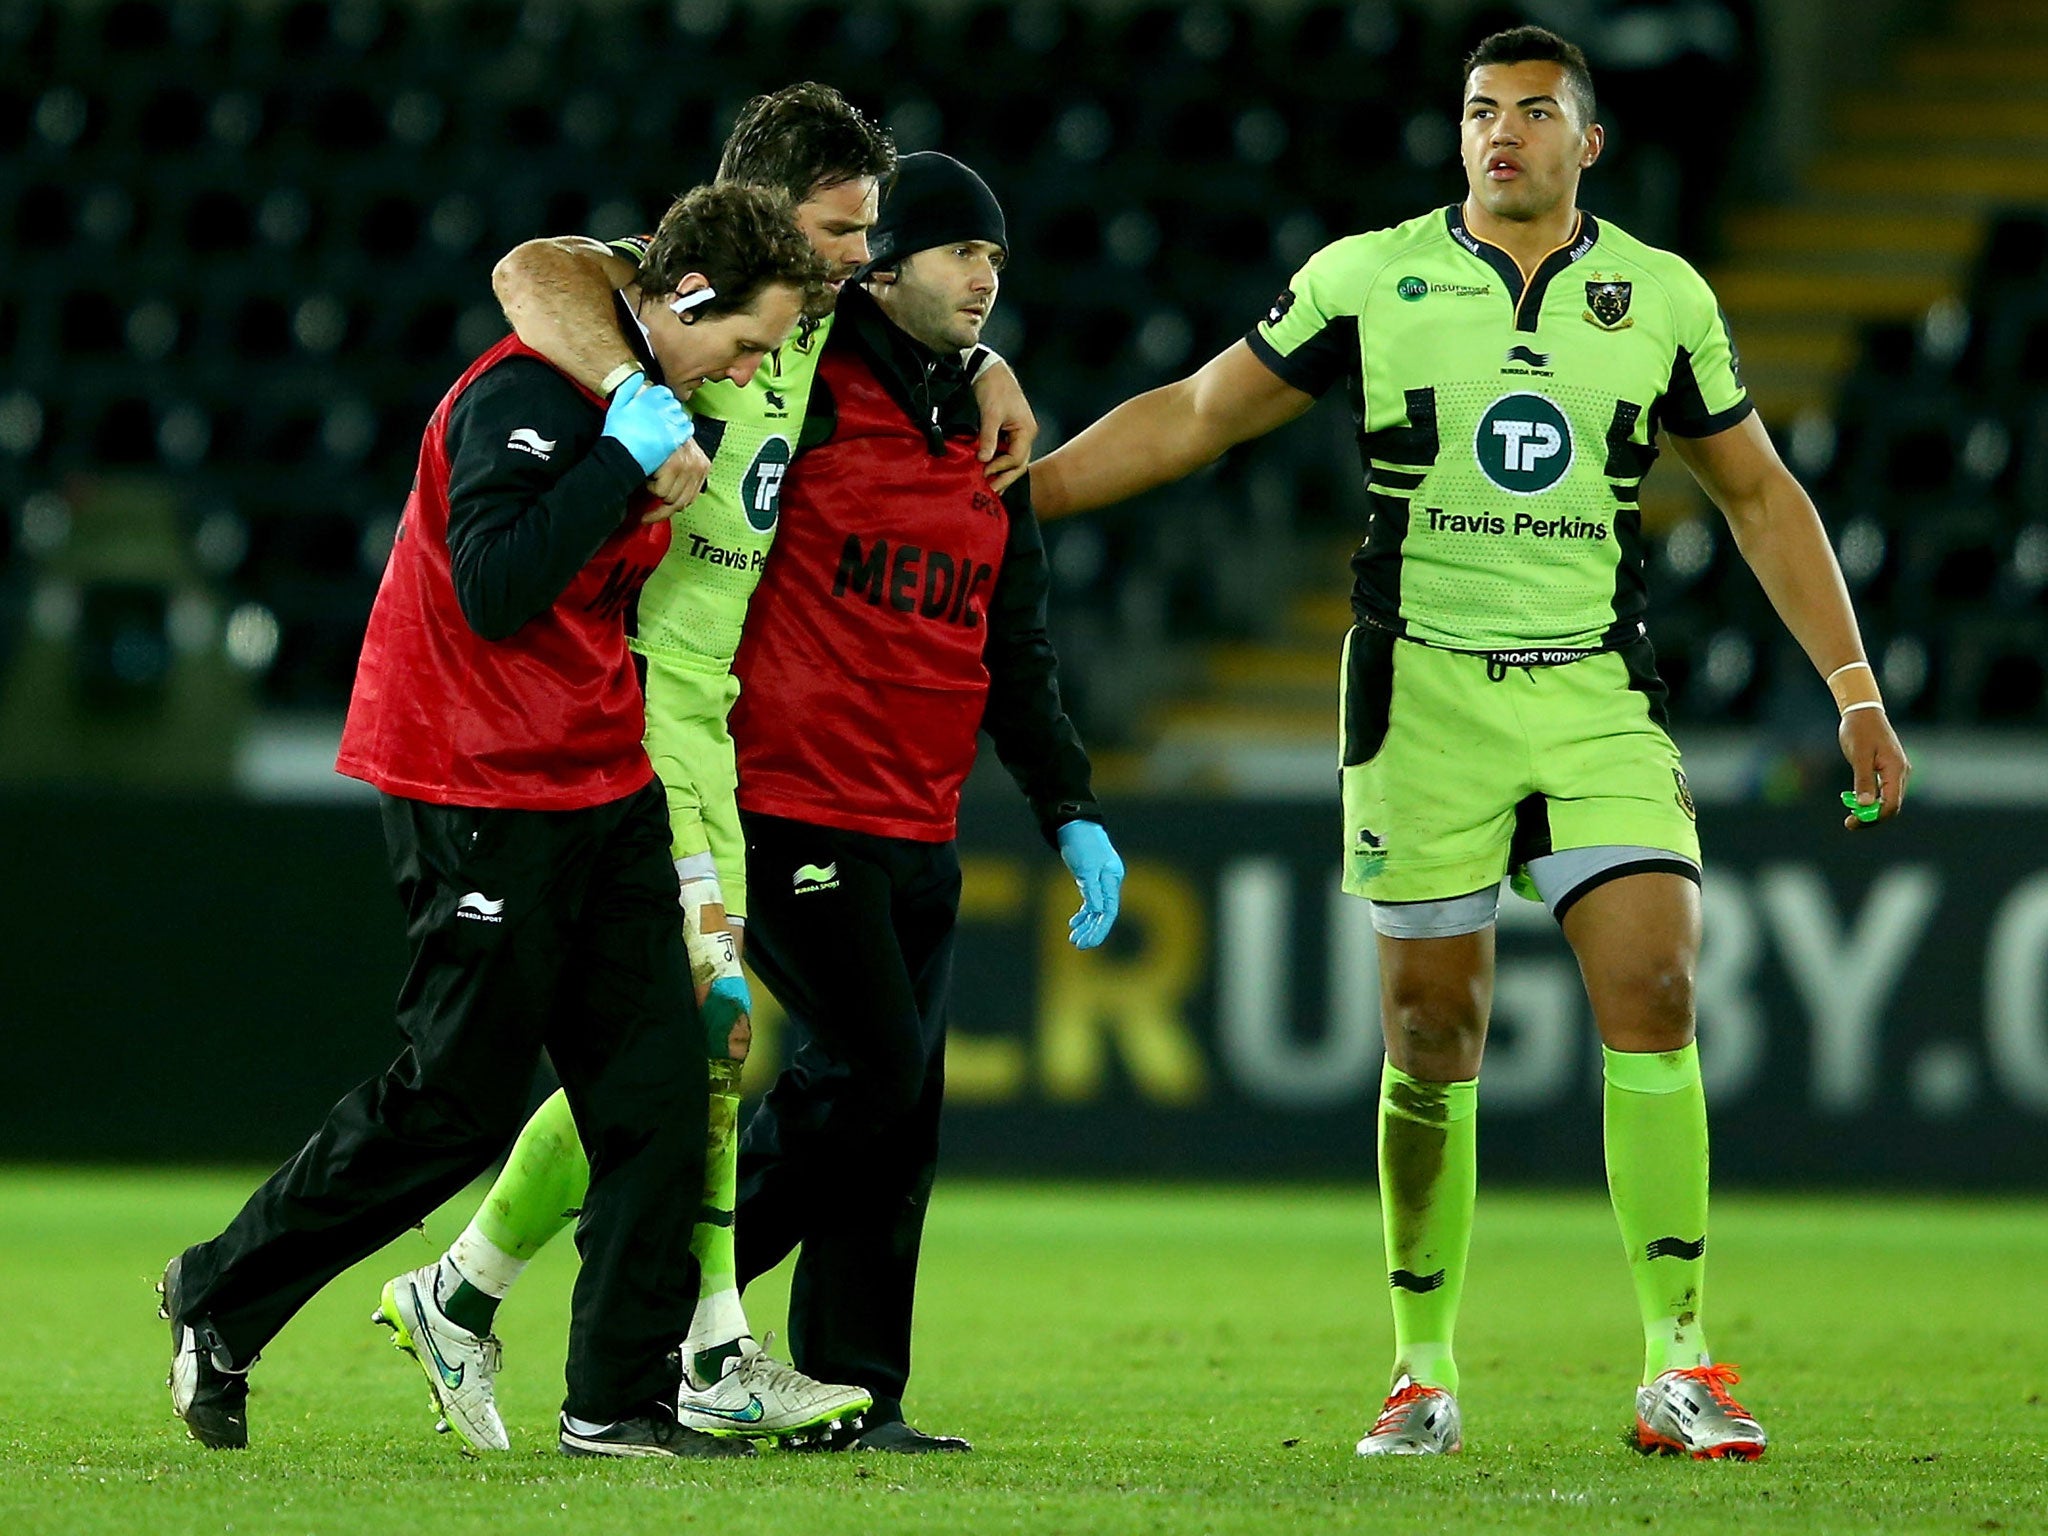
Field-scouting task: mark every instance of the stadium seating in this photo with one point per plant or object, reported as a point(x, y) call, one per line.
point(1935, 488)
point(249, 247)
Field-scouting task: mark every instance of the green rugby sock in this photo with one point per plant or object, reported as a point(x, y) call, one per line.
point(534, 1198)
point(542, 1187)
point(1428, 1138)
point(1656, 1131)
point(719, 1321)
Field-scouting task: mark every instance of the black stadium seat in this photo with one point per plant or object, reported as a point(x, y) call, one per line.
point(1997, 673)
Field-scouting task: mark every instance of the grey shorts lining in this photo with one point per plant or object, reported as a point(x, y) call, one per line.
point(1445, 918)
point(1560, 878)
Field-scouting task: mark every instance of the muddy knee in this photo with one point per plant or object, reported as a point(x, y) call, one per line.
point(1648, 1007)
point(1433, 1035)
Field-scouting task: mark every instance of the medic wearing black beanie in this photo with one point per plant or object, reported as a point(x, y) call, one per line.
point(933, 200)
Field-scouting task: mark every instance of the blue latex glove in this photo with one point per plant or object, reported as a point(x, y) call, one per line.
point(1086, 851)
point(723, 1005)
point(649, 420)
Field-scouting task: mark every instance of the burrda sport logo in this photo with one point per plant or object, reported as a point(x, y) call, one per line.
point(816, 877)
point(479, 908)
point(1524, 444)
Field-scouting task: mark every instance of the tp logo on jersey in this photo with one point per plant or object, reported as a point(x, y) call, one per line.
point(1280, 307)
point(1524, 444)
point(761, 486)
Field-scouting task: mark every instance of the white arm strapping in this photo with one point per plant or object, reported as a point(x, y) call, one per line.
point(714, 954)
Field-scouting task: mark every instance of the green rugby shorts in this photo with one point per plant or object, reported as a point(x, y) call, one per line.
point(1457, 769)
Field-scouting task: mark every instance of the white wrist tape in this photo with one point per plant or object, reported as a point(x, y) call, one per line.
point(1853, 692)
point(713, 954)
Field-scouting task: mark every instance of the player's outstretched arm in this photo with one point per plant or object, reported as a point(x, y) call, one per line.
point(1780, 535)
point(1166, 433)
point(557, 296)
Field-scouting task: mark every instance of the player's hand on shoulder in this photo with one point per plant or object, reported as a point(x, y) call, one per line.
point(677, 482)
point(1879, 763)
point(1008, 429)
point(648, 420)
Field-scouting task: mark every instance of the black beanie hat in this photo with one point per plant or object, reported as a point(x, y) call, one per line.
point(933, 200)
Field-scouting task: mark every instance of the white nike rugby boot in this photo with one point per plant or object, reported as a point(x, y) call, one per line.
point(459, 1366)
point(1415, 1420)
point(758, 1397)
point(1690, 1412)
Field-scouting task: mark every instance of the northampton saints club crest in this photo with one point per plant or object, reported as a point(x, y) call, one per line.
point(1607, 303)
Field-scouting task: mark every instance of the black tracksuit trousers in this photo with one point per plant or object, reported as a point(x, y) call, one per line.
point(854, 936)
point(531, 931)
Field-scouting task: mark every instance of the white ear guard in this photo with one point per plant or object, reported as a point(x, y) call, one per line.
point(683, 303)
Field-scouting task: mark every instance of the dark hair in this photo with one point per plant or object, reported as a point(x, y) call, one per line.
point(1539, 45)
point(802, 138)
point(742, 239)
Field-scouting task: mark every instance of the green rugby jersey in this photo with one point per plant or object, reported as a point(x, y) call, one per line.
point(1505, 428)
point(696, 601)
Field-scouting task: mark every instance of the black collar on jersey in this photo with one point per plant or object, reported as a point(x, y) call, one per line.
point(932, 387)
point(1528, 302)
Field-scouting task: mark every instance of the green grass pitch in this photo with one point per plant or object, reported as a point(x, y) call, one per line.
point(1127, 1360)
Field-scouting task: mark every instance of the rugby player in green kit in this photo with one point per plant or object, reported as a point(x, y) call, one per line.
point(807, 141)
point(1510, 362)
